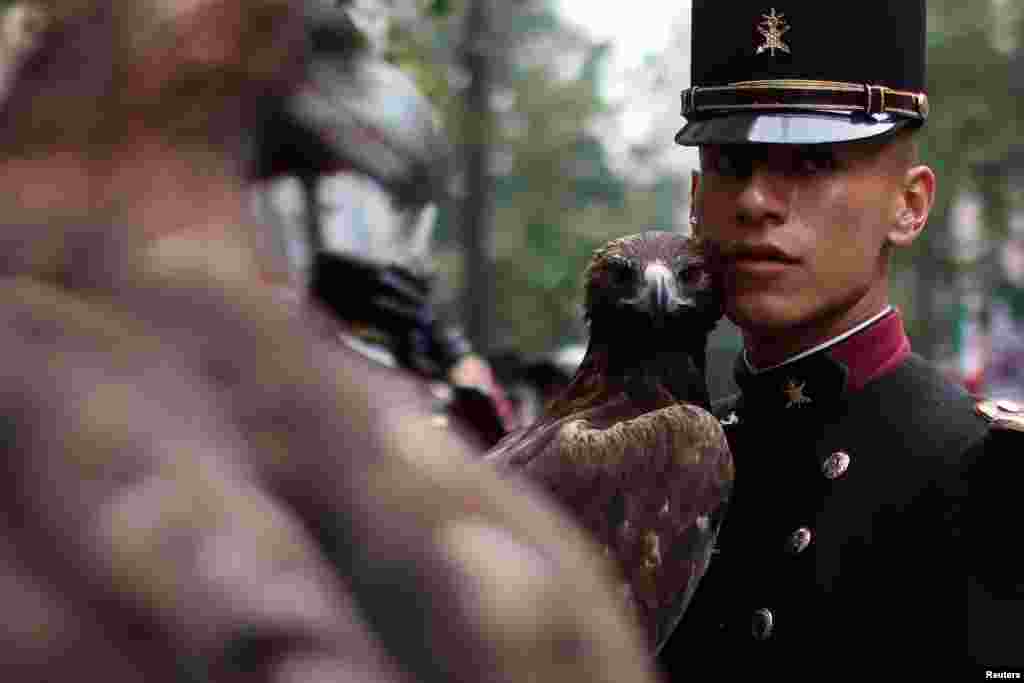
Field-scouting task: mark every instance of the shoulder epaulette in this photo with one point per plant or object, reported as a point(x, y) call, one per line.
point(1002, 414)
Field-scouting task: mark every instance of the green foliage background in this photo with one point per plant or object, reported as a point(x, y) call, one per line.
point(975, 83)
point(556, 198)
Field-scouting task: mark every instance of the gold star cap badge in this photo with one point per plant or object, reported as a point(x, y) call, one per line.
point(772, 28)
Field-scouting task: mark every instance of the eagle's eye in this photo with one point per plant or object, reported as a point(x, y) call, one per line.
point(620, 270)
point(693, 274)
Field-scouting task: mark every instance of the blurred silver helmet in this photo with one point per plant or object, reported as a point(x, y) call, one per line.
point(372, 115)
point(381, 166)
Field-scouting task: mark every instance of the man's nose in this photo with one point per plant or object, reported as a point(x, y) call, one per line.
point(764, 198)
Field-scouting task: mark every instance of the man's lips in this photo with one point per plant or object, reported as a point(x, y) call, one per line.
point(755, 260)
point(736, 252)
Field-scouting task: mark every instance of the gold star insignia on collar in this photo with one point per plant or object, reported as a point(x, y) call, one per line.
point(772, 28)
point(795, 393)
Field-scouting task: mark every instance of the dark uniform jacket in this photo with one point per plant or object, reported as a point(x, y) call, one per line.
point(868, 529)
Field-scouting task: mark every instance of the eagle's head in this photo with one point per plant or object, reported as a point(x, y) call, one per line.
point(652, 281)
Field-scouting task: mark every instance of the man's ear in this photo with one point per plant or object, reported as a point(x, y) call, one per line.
point(694, 189)
point(914, 206)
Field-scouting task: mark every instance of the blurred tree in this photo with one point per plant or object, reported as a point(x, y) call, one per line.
point(558, 200)
point(975, 118)
point(556, 196)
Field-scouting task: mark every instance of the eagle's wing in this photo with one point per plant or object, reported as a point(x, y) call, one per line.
point(651, 488)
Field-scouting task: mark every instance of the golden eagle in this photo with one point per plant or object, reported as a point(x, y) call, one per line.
point(629, 448)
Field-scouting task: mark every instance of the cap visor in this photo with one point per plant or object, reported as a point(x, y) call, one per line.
point(785, 128)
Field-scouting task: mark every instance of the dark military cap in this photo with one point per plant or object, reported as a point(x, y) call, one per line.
point(804, 71)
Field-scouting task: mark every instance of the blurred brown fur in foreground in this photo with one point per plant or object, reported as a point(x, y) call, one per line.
point(196, 487)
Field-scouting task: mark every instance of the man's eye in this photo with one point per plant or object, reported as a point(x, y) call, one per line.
point(812, 163)
point(731, 165)
point(695, 276)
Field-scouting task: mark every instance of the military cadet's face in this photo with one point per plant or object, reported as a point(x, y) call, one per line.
point(802, 230)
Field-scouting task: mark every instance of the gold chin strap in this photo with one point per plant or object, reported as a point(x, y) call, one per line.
point(803, 95)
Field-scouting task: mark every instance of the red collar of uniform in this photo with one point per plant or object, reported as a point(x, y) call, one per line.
point(873, 351)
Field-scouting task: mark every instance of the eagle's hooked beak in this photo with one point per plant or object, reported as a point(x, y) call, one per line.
point(659, 294)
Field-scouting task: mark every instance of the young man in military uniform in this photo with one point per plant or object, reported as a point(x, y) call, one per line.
point(865, 528)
